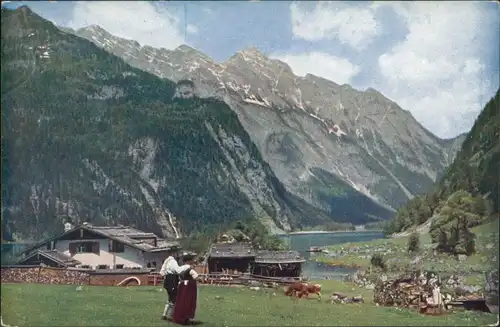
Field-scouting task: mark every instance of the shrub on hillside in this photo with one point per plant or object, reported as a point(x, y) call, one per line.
point(259, 236)
point(378, 261)
point(455, 238)
point(414, 243)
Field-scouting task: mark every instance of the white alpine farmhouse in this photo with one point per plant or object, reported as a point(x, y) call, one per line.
point(101, 247)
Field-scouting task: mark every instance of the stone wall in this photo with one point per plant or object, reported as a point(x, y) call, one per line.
point(49, 275)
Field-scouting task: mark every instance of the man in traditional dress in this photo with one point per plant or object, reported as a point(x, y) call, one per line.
point(170, 271)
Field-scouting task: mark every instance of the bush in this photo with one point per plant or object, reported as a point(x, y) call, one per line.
point(442, 241)
point(414, 243)
point(378, 261)
point(455, 239)
point(259, 236)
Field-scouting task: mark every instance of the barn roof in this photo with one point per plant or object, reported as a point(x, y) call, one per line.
point(232, 250)
point(55, 256)
point(278, 257)
point(124, 234)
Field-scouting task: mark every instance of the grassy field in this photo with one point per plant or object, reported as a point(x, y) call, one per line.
point(61, 305)
point(395, 252)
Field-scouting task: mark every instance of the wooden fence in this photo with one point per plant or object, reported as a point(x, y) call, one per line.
point(155, 279)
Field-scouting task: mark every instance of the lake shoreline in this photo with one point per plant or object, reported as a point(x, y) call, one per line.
point(336, 263)
point(332, 232)
point(330, 268)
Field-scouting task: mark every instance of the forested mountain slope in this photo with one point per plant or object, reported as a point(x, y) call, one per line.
point(469, 188)
point(354, 154)
point(86, 135)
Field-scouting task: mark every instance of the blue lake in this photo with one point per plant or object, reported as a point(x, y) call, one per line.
point(313, 270)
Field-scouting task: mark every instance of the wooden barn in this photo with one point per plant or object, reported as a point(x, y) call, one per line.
point(230, 257)
point(277, 264)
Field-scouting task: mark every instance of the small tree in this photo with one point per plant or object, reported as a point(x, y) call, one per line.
point(470, 242)
point(378, 261)
point(442, 241)
point(465, 240)
point(414, 243)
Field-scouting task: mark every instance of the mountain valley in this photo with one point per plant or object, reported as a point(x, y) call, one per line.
point(322, 140)
point(99, 128)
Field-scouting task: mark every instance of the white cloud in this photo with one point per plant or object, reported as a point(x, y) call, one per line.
point(141, 21)
point(354, 26)
point(191, 29)
point(437, 72)
point(336, 69)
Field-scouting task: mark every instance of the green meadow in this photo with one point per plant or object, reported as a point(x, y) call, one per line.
point(63, 305)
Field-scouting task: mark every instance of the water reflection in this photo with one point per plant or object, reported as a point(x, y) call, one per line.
point(314, 270)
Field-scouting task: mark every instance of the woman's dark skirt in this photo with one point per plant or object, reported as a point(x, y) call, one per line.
point(185, 307)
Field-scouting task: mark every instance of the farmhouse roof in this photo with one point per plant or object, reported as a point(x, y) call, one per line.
point(133, 237)
point(123, 234)
point(53, 255)
point(278, 257)
point(232, 250)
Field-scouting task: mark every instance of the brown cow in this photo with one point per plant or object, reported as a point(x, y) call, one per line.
point(300, 290)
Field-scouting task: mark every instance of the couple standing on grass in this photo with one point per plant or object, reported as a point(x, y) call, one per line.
point(180, 284)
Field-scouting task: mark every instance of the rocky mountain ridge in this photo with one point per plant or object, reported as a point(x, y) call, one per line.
point(327, 143)
point(86, 135)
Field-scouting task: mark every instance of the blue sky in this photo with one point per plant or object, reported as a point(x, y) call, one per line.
point(439, 60)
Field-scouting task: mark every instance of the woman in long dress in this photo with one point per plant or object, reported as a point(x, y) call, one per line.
point(185, 308)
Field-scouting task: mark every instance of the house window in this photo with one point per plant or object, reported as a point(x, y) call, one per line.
point(117, 247)
point(102, 267)
point(118, 266)
point(148, 265)
point(85, 247)
point(154, 264)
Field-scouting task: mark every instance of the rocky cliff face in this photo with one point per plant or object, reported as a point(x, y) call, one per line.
point(86, 135)
point(354, 154)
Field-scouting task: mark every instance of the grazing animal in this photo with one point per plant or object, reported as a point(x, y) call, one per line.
point(314, 289)
point(300, 290)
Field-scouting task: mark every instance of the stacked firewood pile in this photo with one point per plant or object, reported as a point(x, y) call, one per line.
point(20, 275)
point(401, 293)
point(425, 291)
point(413, 291)
point(44, 275)
point(491, 289)
point(62, 276)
